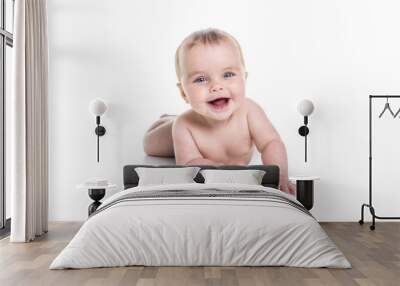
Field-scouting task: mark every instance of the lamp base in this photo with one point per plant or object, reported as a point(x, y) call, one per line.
point(100, 130)
point(303, 130)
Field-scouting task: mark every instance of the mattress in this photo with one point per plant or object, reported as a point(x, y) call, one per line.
point(201, 225)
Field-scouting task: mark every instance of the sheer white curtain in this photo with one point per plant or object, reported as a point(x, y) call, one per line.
point(28, 160)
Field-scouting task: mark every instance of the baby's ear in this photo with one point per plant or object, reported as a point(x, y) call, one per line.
point(179, 85)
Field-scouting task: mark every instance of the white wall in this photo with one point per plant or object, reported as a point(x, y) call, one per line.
point(335, 53)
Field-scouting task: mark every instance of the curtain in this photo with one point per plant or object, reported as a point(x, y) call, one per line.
point(28, 121)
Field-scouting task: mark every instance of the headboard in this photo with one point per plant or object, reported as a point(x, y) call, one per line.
point(270, 179)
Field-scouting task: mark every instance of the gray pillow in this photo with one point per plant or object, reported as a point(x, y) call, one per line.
point(248, 177)
point(162, 176)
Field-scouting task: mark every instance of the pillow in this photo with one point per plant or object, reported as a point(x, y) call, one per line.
point(162, 176)
point(249, 177)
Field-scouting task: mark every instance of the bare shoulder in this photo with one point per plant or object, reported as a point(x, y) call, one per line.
point(184, 120)
point(252, 106)
point(257, 117)
point(254, 112)
point(261, 128)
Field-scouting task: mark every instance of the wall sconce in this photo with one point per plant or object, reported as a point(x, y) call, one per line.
point(305, 108)
point(97, 107)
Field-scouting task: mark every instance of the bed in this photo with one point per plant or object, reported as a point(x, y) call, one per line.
point(201, 223)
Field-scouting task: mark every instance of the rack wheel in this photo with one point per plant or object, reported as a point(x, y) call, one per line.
point(361, 222)
point(372, 227)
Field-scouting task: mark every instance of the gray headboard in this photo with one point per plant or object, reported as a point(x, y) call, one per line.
point(271, 177)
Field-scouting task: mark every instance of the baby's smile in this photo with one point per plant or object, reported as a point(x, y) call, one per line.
point(219, 104)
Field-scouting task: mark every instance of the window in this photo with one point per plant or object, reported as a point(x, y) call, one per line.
point(6, 44)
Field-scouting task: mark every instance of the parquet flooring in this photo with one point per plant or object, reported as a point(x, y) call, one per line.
point(374, 255)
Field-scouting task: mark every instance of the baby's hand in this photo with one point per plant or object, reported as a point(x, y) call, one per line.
point(288, 187)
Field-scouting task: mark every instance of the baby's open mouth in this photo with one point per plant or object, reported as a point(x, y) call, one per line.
point(219, 103)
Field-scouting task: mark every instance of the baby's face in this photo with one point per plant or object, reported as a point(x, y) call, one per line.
point(213, 79)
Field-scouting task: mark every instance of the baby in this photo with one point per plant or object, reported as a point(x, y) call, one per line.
point(222, 125)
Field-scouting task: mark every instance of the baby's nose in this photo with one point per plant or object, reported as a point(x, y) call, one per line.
point(217, 88)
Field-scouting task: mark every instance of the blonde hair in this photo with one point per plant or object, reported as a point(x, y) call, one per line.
point(206, 36)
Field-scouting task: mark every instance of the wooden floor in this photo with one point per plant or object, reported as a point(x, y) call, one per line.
point(374, 255)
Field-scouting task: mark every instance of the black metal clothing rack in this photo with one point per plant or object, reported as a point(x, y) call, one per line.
point(369, 205)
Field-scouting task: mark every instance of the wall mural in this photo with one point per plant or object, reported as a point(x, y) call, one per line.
point(222, 125)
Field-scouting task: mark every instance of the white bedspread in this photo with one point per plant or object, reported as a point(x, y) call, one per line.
point(200, 231)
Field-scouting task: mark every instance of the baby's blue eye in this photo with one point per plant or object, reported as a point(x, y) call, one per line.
point(200, 79)
point(229, 74)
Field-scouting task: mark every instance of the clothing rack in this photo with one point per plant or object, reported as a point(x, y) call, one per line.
point(369, 205)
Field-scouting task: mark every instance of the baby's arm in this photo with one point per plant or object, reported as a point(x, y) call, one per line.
point(186, 151)
point(268, 143)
